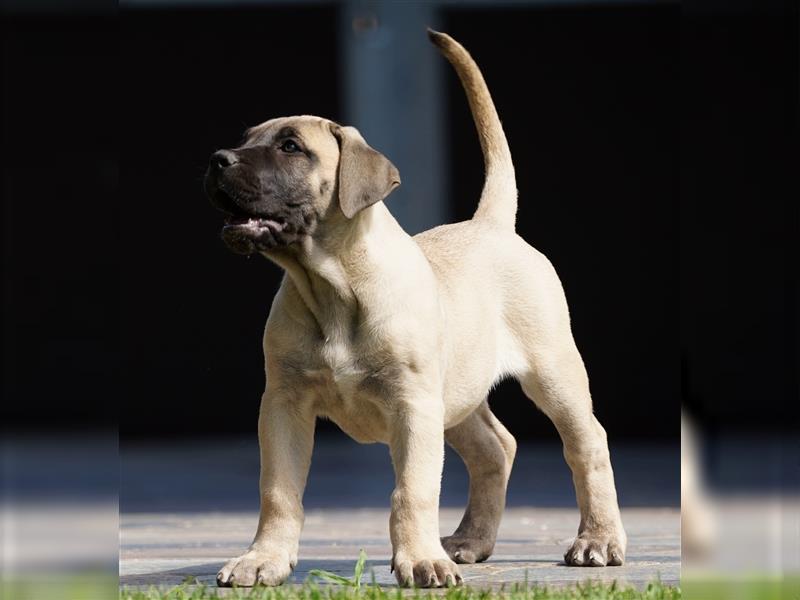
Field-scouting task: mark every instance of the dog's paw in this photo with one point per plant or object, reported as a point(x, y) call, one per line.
point(255, 567)
point(467, 550)
point(591, 550)
point(426, 573)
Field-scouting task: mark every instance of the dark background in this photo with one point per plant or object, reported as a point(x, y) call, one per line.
point(739, 218)
point(655, 164)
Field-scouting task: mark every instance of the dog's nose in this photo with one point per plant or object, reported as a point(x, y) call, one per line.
point(223, 159)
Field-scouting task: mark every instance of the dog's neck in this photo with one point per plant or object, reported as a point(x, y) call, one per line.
point(333, 268)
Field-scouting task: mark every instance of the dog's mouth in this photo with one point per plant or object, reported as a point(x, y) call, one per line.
point(244, 231)
point(245, 234)
point(256, 225)
point(252, 225)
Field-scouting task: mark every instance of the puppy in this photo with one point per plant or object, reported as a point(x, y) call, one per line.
point(398, 339)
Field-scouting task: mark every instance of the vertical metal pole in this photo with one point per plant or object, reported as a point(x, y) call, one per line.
point(393, 95)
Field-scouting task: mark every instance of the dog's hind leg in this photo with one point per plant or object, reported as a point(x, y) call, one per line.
point(559, 386)
point(487, 449)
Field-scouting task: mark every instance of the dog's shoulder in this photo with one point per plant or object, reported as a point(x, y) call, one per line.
point(289, 318)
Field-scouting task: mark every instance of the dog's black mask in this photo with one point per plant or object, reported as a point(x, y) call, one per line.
point(264, 191)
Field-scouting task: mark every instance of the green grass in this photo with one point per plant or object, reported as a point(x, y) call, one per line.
point(95, 585)
point(355, 582)
point(311, 591)
point(345, 588)
point(746, 587)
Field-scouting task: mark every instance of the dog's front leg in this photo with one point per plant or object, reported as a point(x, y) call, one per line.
point(417, 449)
point(286, 437)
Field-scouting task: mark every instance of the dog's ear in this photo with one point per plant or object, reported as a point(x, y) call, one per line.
point(365, 175)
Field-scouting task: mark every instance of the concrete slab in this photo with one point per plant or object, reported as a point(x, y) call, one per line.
point(164, 549)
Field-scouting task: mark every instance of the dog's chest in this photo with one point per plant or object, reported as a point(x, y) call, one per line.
point(338, 363)
point(342, 373)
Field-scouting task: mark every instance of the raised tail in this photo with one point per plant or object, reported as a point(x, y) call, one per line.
point(499, 197)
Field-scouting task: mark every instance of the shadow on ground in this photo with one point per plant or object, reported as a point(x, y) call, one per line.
point(222, 475)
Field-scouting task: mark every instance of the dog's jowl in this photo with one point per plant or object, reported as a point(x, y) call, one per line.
point(399, 339)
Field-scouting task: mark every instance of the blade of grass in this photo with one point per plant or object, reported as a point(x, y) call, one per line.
point(359, 570)
point(332, 577)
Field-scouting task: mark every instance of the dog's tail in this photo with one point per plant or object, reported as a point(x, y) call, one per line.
point(499, 197)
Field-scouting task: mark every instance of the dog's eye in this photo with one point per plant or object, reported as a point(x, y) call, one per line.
point(290, 146)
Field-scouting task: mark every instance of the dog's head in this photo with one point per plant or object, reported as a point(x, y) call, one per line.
point(289, 177)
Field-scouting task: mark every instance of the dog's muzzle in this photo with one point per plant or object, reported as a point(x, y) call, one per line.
point(248, 229)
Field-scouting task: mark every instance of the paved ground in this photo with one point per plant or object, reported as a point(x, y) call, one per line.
point(188, 507)
point(165, 549)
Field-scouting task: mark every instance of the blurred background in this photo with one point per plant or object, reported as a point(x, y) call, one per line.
point(656, 156)
point(594, 134)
